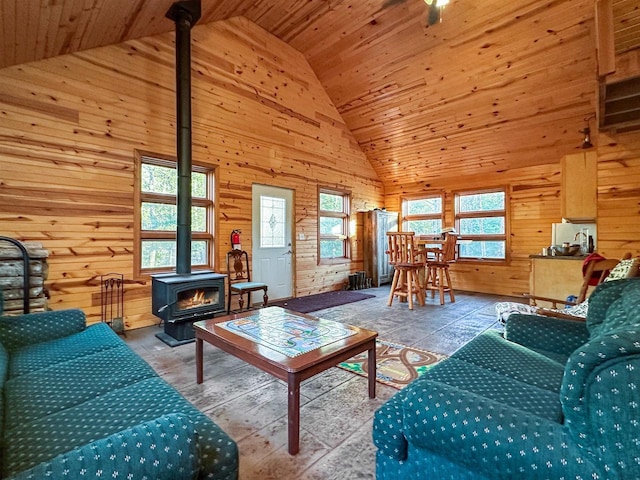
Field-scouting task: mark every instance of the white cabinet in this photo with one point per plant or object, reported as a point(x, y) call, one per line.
point(376, 224)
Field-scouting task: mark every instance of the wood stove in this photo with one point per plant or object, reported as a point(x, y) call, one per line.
point(183, 297)
point(180, 300)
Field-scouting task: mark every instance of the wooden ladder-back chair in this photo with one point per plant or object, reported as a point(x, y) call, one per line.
point(240, 282)
point(437, 277)
point(405, 258)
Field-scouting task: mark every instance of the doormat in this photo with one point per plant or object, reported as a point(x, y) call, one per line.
point(320, 301)
point(396, 365)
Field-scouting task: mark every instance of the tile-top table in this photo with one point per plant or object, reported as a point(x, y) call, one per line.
point(288, 345)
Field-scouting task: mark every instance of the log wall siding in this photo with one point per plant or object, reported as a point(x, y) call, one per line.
point(71, 124)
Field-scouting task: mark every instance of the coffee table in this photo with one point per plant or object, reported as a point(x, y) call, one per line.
point(292, 370)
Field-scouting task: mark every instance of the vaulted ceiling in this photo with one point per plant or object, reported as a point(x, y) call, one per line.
point(496, 85)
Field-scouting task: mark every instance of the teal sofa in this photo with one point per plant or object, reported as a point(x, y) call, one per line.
point(77, 402)
point(545, 399)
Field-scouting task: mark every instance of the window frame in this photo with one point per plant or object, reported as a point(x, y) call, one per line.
point(140, 197)
point(345, 215)
point(506, 237)
point(406, 218)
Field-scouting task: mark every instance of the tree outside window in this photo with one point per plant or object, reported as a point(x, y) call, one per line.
point(423, 215)
point(481, 216)
point(333, 225)
point(156, 215)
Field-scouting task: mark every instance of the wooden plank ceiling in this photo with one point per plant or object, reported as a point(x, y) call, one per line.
point(626, 25)
point(469, 95)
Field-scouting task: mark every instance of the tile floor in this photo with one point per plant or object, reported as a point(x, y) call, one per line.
point(336, 413)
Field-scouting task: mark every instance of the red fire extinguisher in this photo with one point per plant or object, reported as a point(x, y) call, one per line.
point(235, 240)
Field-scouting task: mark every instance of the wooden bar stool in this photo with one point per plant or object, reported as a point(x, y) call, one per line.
point(404, 257)
point(437, 277)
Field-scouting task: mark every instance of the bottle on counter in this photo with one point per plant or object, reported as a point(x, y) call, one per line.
point(584, 241)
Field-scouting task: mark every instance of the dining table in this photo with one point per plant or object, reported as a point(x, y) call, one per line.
point(429, 244)
point(424, 240)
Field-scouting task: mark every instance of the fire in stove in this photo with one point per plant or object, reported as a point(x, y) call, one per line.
point(197, 299)
point(179, 298)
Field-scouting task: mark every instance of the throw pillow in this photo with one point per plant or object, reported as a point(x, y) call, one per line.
point(504, 309)
point(624, 269)
point(579, 310)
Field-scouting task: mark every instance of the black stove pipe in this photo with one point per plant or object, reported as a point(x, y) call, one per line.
point(185, 14)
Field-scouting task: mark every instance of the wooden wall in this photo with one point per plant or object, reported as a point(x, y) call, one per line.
point(534, 194)
point(497, 100)
point(534, 205)
point(619, 193)
point(70, 125)
point(495, 86)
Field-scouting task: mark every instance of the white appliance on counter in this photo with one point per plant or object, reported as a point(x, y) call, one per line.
point(569, 232)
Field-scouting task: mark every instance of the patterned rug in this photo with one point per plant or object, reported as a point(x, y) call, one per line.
point(320, 301)
point(396, 365)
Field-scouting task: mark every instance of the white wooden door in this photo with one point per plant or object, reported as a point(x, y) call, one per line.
point(272, 233)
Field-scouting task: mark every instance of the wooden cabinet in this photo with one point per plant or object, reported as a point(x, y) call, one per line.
point(376, 224)
point(580, 186)
point(555, 277)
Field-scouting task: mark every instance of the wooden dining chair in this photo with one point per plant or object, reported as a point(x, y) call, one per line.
point(405, 258)
point(437, 278)
point(240, 282)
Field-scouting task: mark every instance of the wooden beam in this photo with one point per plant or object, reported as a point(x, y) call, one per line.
point(604, 38)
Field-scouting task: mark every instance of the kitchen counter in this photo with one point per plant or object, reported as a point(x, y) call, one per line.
point(555, 276)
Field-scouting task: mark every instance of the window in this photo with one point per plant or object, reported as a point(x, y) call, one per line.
point(156, 215)
point(333, 225)
point(423, 215)
point(274, 216)
point(481, 216)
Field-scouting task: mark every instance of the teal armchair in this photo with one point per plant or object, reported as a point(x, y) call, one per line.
point(546, 399)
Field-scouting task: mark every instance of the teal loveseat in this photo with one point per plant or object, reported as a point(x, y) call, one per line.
point(546, 399)
point(77, 402)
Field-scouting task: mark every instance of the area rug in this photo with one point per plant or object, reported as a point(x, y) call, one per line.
point(320, 301)
point(396, 365)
